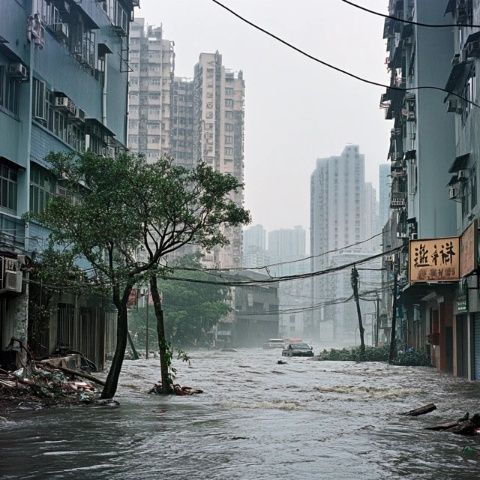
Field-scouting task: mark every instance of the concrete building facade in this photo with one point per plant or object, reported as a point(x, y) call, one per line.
point(152, 65)
point(218, 136)
point(63, 88)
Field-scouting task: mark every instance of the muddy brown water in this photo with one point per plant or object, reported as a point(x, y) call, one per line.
point(256, 420)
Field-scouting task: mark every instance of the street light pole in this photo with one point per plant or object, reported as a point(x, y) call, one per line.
point(146, 338)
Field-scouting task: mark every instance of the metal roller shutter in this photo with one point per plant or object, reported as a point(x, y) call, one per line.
point(476, 347)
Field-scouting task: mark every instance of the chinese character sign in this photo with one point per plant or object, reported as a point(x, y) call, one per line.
point(435, 260)
point(468, 250)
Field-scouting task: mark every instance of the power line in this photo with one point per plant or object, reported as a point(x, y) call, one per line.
point(285, 278)
point(286, 262)
point(410, 22)
point(338, 69)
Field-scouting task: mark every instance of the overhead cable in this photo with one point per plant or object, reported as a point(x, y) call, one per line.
point(410, 22)
point(341, 70)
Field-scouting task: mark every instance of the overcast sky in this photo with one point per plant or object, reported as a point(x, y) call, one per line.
point(295, 109)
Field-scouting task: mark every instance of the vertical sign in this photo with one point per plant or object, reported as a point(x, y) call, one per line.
point(468, 250)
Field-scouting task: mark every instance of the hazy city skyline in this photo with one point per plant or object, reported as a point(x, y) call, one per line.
point(295, 109)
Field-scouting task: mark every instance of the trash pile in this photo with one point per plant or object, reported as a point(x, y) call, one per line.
point(177, 390)
point(39, 384)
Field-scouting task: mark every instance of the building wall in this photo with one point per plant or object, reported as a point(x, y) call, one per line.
point(87, 63)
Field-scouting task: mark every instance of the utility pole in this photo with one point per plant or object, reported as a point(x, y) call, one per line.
point(361, 330)
point(146, 328)
point(377, 321)
point(394, 316)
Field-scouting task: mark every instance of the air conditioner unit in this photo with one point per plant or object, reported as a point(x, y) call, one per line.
point(79, 116)
point(60, 30)
point(13, 282)
point(461, 174)
point(17, 70)
point(413, 236)
point(65, 103)
point(456, 59)
point(454, 105)
point(452, 192)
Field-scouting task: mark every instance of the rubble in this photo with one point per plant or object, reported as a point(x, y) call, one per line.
point(40, 384)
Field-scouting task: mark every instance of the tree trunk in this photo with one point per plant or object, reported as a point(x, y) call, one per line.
point(135, 354)
point(162, 342)
point(111, 383)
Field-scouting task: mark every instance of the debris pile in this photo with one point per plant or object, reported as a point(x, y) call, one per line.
point(39, 384)
point(177, 390)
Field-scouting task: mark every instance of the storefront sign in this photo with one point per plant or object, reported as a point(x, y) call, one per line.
point(462, 302)
point(436, 260)
point(468, 250)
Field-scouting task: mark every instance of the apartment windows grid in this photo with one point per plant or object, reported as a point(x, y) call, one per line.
point(42, 188)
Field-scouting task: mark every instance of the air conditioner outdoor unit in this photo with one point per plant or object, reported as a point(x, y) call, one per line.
point(454, 105)
point(79, 116)
point(452, 192)
point(60, 30)
point(13, 282)
point(461, 174)
point(17, 70)
point(413, 236)
point(65, 104)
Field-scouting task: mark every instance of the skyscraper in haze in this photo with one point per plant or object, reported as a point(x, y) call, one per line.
point(341, 214)
point(255, 247)
point(218, 129)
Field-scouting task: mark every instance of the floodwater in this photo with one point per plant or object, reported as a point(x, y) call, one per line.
point(256, 420)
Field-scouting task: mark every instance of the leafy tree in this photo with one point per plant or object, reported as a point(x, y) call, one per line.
point(190, 309)
point(116, 206)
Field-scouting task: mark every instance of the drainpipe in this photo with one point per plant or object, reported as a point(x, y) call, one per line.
point(104, 92)
point(29, 136)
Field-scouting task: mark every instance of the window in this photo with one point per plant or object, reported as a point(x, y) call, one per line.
point(8, 187)
point(229, 115)
point(228, 103)
point(228, 91)
point(228, 139)
point(8, 91)
point(228, 127)
point(228, 151)
point(42, 188)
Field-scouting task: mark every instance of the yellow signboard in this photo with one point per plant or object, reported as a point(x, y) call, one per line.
point(436, 260)
point(468, 250)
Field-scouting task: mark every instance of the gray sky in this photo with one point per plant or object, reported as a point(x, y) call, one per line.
point(295, 109)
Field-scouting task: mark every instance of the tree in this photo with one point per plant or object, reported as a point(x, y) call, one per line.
point(190, 309)
point(116, 206)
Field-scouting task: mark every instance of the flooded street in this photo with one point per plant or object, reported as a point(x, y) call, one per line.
point(256, 419)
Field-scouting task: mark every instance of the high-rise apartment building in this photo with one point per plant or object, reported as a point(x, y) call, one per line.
point(218, 130)
point(255, 247)
point(338, 210)
point(287, 245)
point(181, 133)
point(152, 63)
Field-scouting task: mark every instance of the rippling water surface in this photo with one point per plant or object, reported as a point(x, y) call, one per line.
point(256, 420)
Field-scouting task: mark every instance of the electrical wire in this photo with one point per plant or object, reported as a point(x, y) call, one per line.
point(338, 69)
point(410, 22)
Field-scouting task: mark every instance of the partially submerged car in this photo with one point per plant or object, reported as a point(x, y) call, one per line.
point(297, 350)
point(274, 343)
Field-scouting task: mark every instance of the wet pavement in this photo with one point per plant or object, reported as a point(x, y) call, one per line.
point(256, 420)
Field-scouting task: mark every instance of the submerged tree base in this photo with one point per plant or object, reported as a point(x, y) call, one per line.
point(409, 357)
point(176, 390)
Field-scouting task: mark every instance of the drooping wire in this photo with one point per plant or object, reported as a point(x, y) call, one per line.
point(410, 22)
point(338, 69)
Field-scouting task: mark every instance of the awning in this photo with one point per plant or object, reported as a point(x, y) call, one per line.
point(458, 76)
point(474, 37)
point(460, 163)
point(103, 49)
point(98, 123)
point(450, 6)
point(410, 155)
point(453, 181)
